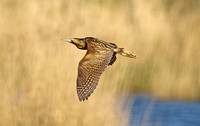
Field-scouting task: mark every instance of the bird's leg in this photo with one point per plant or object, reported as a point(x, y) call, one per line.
point(125, 53)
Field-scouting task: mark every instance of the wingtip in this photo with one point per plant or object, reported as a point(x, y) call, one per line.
point(83, 99)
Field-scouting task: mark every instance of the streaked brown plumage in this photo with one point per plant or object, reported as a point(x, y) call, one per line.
point(100, 54)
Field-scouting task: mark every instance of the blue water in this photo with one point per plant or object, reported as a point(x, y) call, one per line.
point(149, 112)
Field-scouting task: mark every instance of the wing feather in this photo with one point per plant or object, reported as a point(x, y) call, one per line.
point(89, 71)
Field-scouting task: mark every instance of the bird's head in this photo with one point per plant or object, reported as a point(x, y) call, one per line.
point(78, 42)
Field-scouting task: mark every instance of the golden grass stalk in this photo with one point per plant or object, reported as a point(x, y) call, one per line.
point(38, 71)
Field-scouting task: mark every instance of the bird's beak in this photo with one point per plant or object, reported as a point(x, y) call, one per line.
point(67, 40)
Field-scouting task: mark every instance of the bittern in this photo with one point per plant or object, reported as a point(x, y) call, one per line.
point(100, 54)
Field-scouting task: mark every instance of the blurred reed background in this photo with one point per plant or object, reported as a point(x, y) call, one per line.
point(38, 71)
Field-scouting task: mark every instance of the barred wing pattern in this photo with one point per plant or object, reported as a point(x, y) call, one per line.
point(89, 71)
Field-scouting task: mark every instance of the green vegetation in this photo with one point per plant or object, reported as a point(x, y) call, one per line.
point(38, 72)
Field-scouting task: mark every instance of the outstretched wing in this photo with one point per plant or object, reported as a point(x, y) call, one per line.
point(89, 71)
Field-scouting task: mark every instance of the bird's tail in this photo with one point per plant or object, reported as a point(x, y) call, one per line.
point(125, 53)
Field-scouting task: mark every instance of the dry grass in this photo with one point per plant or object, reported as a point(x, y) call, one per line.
point(167, 35)
point(38, 71)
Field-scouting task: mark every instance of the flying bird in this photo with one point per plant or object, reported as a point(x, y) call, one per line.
point(100, 54)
